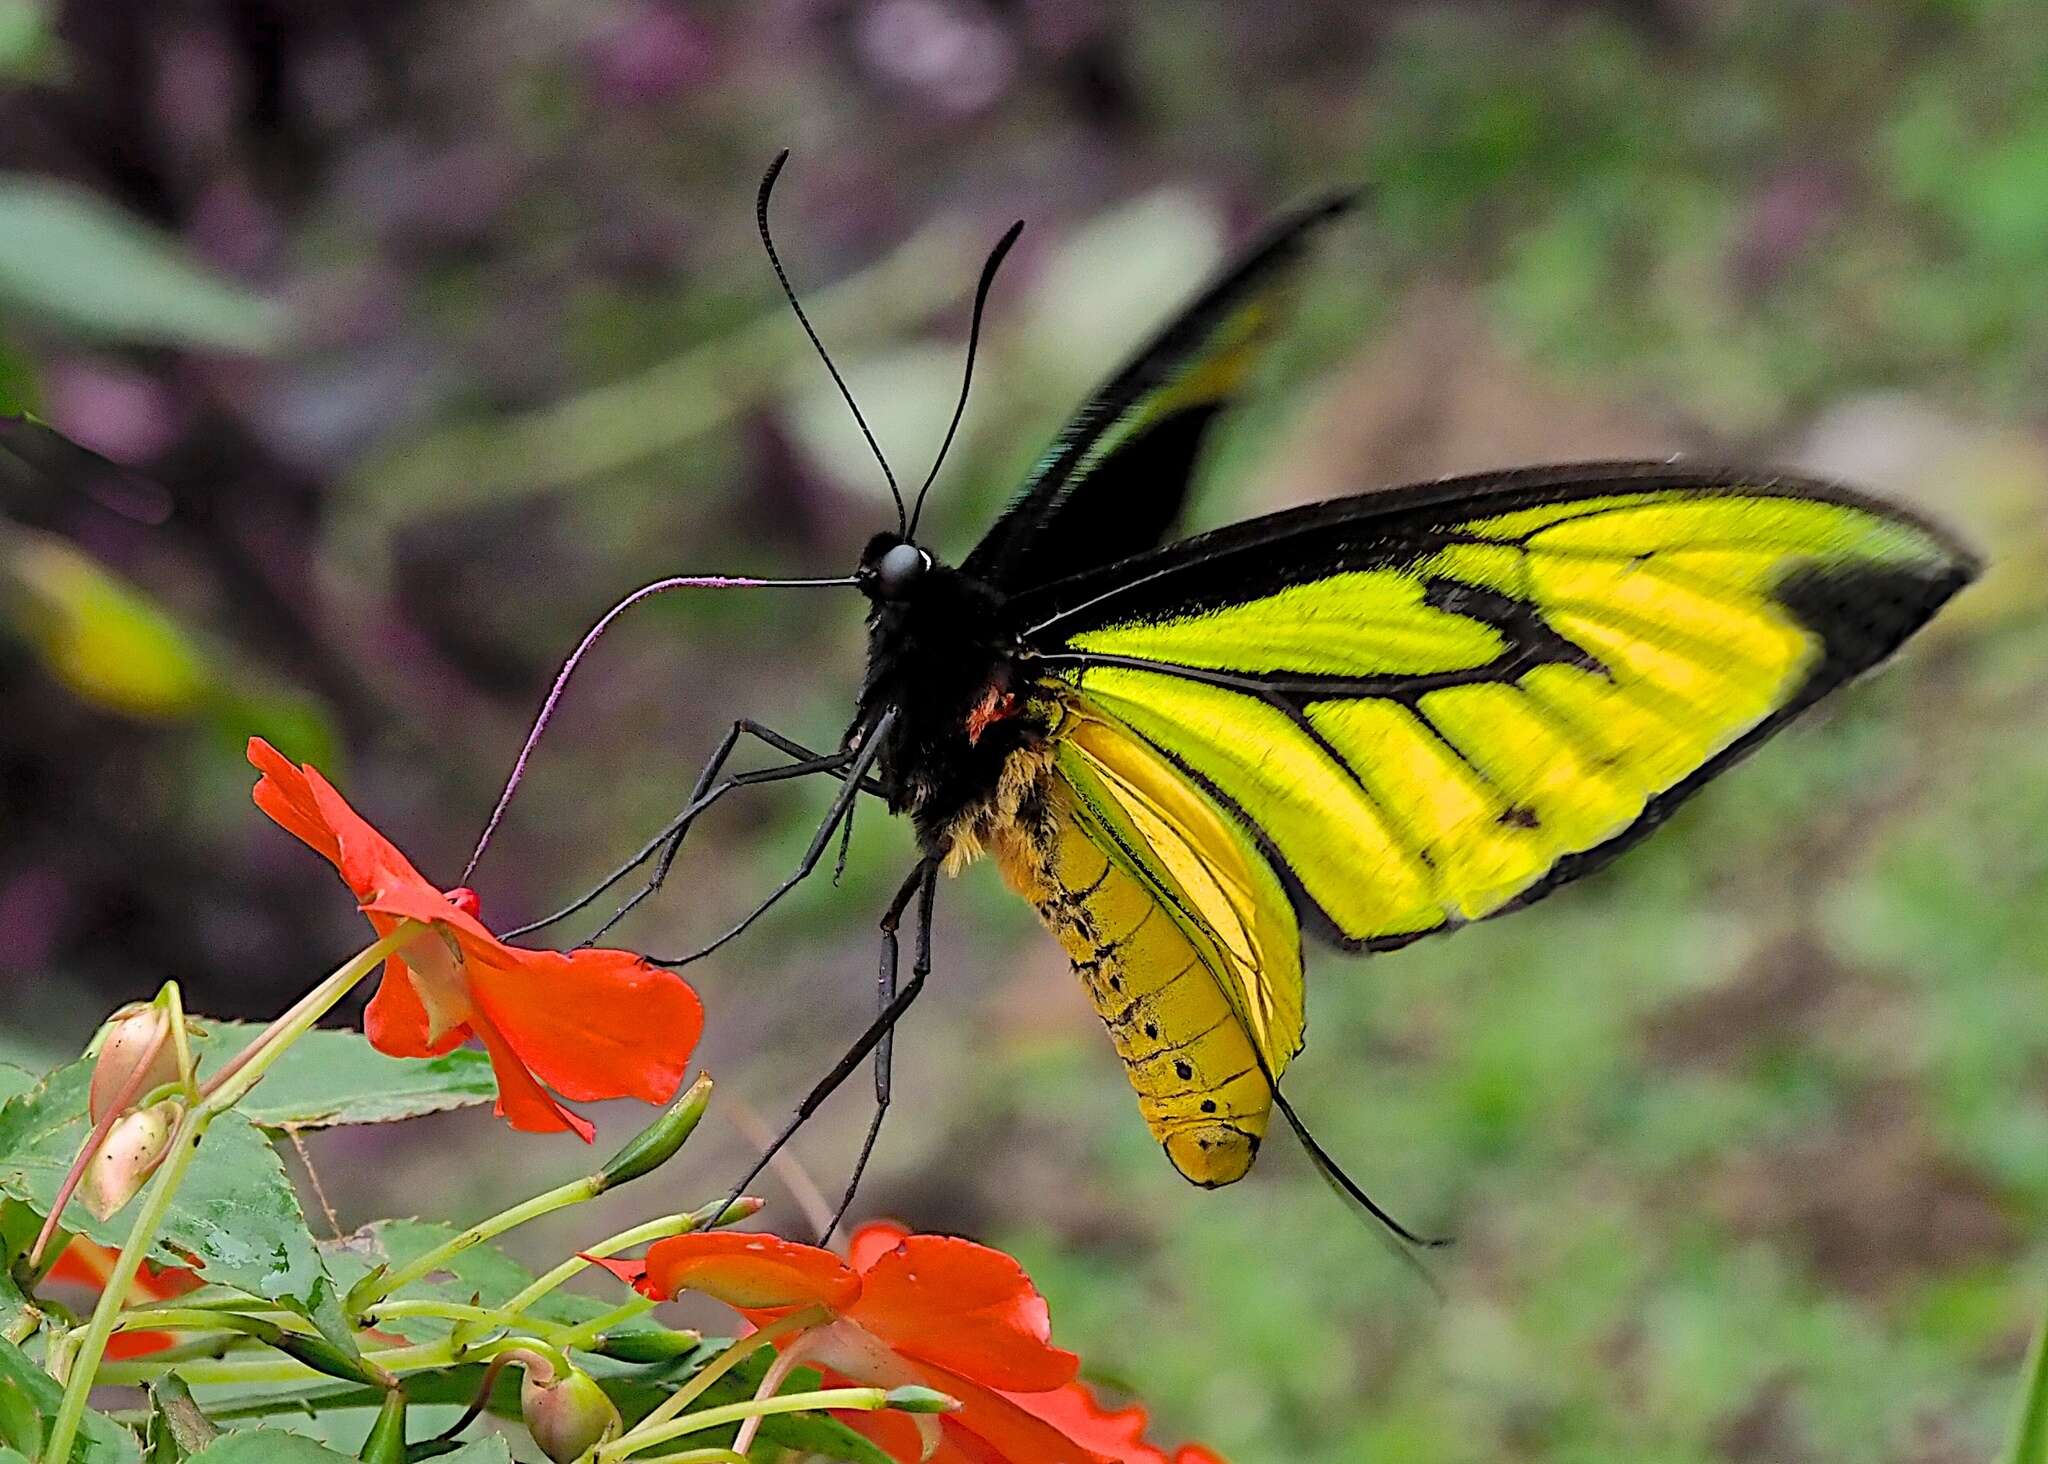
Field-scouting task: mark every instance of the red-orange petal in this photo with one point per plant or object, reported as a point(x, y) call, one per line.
point(963, 1307)
point(751, 1272)
point(395, 1020)
point(1010, 1432)
point(874, 1240)
point(522, 1101)
point(283, 793)
point(633, 1273)
point(591, 1024)
point(1114, 1433)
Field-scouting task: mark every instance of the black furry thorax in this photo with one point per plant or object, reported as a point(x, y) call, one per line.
point(947, 658)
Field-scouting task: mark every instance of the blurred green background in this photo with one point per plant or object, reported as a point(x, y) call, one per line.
point(429, 330)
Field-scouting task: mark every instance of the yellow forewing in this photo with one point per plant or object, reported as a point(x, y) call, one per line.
point(1369, 623)
point(1422, 739)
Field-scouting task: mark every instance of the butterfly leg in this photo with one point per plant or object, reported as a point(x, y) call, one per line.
point(855, 773)
point(885, 1050)
point(702, 796)
point(924, 881)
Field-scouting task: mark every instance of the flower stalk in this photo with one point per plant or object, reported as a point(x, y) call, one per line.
point(223, 1094)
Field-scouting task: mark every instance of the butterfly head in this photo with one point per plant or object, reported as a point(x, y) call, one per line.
point(891, 569)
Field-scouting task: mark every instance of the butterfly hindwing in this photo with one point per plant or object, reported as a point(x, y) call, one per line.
point(1432, 705)
point(1113, 483)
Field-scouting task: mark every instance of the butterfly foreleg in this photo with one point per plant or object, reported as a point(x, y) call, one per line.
point(707, 791)
point(924, 881)
point(885, 1050)
point(852, 766)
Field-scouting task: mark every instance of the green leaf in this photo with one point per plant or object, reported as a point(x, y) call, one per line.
point(267, 1446)
point(14, 1080)
point(79, 261)
point(29, 1400)
point(492, 1450)
point(329, 1078)
point(235, 1216)
point(2029, 1442)
point(177, 1427)
point(11, 1456)
point(14, 1306)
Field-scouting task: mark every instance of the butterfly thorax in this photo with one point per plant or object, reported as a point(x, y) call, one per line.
point(968, 743)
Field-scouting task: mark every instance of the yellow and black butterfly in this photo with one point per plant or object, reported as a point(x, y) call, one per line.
point(1372, 719)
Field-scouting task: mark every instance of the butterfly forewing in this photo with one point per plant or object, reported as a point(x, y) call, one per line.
point(1435, 704)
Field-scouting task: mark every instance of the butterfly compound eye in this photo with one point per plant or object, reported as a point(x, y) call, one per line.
point(899, 569)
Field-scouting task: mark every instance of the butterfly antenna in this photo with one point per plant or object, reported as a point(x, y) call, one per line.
point(988, 279)
point(789, 293)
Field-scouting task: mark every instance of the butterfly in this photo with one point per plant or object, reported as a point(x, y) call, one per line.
point(1368, 720)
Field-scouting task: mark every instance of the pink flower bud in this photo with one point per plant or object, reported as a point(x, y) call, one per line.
point(138, 1042)
point(135, 1145)
point(566, 1415)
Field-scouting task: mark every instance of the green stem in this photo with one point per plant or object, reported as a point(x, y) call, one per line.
point(226, 1092)
point(585, 1333)
point(724, 1363)
point(232, 1083)
point(865, 1399)
point(700, 1456)
point(141, 1236)
point(455, 1311)
point(575, 1192)
point(181, 1041)
point(660, 1228)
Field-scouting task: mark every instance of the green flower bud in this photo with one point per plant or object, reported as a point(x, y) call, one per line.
point(567, 1416)
point(656, 1144)
point(913, 1399)
point(136, 1056)
point(135, 1145)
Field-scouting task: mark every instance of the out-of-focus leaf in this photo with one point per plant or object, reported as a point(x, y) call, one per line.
point(177, 1427)
point(14, 1080)
point(2029, 1441)
point(235, 1215)
point(82, 263)
point(29, 1400)
point(267, 1446)
point(328, 1078)
point(17, 376)
point(28, 49)
point(1112, 281)
point(101, 637)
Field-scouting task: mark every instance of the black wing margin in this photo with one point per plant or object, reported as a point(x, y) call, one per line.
point(1113, 483)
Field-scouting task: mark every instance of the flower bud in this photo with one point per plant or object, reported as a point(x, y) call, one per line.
point(135, 1145)
point(567, 1415)
point(135, 1056)
point(916, 1399)
point(656, 1144)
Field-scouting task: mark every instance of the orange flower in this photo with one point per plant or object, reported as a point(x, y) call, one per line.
point(1117, 1434)
point(933, 1310)
point(591, 1024)
point(86, 1263)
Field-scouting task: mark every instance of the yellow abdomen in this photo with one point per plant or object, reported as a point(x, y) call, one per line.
point(1156, 988)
